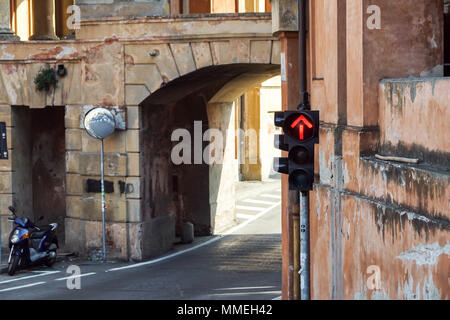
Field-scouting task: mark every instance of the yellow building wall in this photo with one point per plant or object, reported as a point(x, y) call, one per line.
point(22, 21)
point(258, 152)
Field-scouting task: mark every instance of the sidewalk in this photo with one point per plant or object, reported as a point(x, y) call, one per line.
point(4, 259)
point(246, 189)
point(62, 256)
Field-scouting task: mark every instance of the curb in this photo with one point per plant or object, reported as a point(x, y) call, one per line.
point(3, 268)
point(60, 258)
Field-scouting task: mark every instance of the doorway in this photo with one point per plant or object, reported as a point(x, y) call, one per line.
point(39, 170)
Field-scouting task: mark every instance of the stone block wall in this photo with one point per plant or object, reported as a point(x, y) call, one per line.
point(6, 189)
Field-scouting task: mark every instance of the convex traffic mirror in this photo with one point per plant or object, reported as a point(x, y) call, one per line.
point(99, 123)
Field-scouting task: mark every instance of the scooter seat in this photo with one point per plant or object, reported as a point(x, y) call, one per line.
point(38, 234)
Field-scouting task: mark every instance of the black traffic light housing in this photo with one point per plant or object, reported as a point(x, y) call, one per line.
point(301, 133)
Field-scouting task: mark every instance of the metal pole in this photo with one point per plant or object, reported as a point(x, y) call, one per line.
point(103, 201)
point(304, 247)
point(0, 238)
point(302, 30)
point(296, 260)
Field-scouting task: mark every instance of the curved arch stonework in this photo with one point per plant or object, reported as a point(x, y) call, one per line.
point(145, 74)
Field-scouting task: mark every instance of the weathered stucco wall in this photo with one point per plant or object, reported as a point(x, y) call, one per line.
point(414, 119)
point(407, 44)
point(117, 8)
point(369, 215)
point(162, 27)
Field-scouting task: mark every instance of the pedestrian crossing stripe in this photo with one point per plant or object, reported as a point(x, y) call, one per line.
point(244, 216)
point(250, 208)
point(273, 196)
point(259, 201)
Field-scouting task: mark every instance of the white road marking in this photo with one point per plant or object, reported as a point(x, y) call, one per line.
point(249, 208)
point(259, 215)
point(277, 298)
point(245, 293)
point(245, 288)
point(244, 216)
point(273, 196)
point(76, 276)
point(30, 277)
point(256, 217)
point(258, 201)
point(21, 287)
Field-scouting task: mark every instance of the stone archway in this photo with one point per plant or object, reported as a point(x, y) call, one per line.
point(176, 86)
point(150, 67)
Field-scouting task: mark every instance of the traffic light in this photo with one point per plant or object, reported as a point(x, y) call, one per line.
point(301, 133)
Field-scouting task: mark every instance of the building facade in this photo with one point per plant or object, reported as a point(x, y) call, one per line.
point(376, 71)
point(380, 226)
point(159, 68)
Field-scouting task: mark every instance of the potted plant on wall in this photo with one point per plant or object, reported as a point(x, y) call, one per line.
point(46, 79)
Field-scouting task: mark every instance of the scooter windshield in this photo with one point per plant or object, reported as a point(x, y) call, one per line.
point(23, 222)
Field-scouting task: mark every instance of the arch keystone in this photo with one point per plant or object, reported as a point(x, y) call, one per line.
point(232, 51)
point(184, 57)
point(202, 54)
point(260, 51)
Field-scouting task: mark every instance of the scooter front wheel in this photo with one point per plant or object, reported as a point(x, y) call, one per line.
point(12, 267)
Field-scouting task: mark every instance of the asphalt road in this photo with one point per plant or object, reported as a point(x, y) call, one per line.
point(244, 263)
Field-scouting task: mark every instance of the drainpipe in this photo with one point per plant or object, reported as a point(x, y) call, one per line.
point(302, 31)
point(304, 196)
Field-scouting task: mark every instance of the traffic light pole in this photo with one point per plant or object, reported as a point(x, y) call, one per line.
point(300, 135)
point(302, 30)
point(304, 246)
point(304, 195)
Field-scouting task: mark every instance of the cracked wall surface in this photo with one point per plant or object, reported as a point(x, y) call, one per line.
point(368, 213)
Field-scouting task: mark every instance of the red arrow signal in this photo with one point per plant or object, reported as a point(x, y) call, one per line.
point(303, 120)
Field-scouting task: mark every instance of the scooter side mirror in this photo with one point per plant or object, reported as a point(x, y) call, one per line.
point(12, 209)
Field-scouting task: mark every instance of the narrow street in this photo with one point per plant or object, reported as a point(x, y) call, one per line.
point(243, 263)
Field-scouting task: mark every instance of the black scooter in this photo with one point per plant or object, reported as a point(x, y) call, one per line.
point(30, 244)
